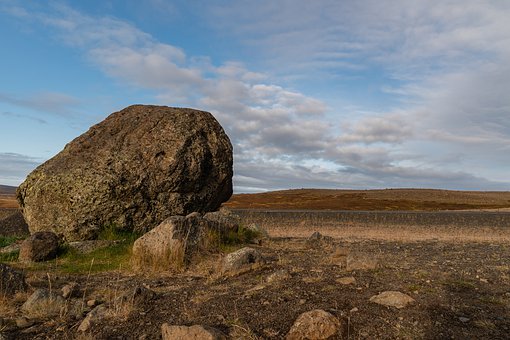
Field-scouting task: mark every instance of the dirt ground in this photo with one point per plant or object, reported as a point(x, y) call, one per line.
point(461, 291)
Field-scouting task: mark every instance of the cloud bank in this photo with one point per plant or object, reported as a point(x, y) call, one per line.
point(447, 63)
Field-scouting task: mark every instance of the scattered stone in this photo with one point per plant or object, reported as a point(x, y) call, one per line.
point(392, 299)
point(316, 236)
point(348, 280)
point(72, 289)
point(43, 304)
point(354, 310)
point(356, 261)
point(23, 322)
point(92, 318)
point(133, 170)
point(280, 275)
point(240, 259)
point(138, 296)
point(40, 246)
point(198, 332)
point(224, 217)
point(463, 319)
point(11, 280)
point(316, 324)
point(92, 303)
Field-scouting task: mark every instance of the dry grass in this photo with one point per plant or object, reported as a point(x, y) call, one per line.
point(389, 199)
point(171, 259)
point(403, 233)
point(8, 202)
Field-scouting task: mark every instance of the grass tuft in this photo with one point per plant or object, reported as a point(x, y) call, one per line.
point(8, 240)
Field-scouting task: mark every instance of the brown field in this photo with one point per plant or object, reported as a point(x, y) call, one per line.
point(388, 199)
point(8, 197)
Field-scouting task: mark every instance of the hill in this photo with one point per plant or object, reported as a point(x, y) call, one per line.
point(8, 197)
point(387, 199)
point(7, 190)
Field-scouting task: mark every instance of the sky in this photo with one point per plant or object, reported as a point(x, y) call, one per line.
point(363, 94)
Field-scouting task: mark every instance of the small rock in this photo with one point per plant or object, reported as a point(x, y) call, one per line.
point(23, 322)
point(138, 296)
point(463, 319)
point(92, 318)
point(354, 310)
point(316, 324)
point(11, 280)
point(348, 280)
point(71, 289)
point(43, 304)
point(280, 275)
point(392, 299)
point(92, 303)
point(242, 258)
point(198, 332)
point(40, 246)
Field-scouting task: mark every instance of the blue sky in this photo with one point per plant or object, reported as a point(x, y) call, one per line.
point(313, 94)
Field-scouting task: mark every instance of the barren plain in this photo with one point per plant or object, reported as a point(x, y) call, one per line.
point(454, 264)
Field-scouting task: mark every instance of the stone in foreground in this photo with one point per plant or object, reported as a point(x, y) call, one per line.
point(392, 299)
point(40, 246)
point(316, 324)
point(241, 259)
point(172, 243)
point(133, 170)
point(43, 304)
point(11, 281)
point(197, 332)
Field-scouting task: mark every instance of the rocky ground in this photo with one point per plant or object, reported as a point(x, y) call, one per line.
point(460, 290)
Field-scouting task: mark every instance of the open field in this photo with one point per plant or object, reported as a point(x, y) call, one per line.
point(389, 199)
point(461, 291)
point(8, 197)
point(454, 264)
point(462, 226)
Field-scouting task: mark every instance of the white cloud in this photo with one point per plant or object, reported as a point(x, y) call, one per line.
point(15, 167)
point(448, 59)
point(48, 102)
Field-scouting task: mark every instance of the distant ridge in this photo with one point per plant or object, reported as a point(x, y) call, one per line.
point(7, 190)
point(371, 200)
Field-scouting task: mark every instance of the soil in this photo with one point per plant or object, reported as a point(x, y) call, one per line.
point(461, 291)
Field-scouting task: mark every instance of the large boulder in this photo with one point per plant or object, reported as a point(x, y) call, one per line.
point(132, 171)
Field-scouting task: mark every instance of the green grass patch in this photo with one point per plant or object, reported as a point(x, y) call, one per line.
point(114, 257)
point(240, 236)
point(109, 258)
point(7, 240)
point(9, 257)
